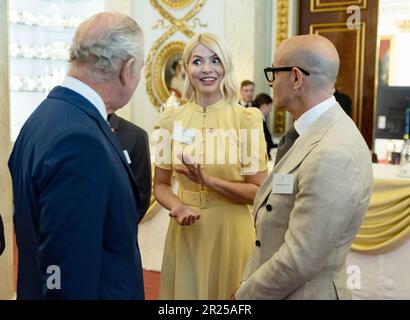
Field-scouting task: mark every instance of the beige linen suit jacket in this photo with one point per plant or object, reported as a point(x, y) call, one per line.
point(303, 238)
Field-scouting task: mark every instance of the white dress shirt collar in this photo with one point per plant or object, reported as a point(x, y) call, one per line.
point(244, 104)
point(87, 92)
point(309, 117)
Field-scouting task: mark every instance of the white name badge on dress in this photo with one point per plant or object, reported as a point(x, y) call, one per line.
point(283, 183)
point(127, 156)
point(182, 135)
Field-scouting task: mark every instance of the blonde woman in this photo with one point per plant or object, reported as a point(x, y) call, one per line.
point(217, 150)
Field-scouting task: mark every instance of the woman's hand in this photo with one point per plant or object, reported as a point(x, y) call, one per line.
point(183, 215)
point(193, 171)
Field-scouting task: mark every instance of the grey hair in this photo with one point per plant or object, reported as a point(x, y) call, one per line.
point(103, 49)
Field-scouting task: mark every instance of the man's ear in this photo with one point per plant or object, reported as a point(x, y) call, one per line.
point(297, 78)
point(126, 71)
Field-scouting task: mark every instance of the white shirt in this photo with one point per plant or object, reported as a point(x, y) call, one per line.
point(244, 104)
point(309, 117)
point(87, 92)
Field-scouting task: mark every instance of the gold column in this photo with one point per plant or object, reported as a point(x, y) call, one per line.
point(282, 31)
point(6, 260)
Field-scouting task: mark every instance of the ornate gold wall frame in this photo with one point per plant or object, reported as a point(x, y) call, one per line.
point(323, 6)
point(160, 50)
point(170, 53)
point(177, 4)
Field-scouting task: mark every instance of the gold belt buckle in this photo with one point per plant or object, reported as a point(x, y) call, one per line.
point(204, 202)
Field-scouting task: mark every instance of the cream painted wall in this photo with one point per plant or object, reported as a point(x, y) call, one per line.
point(248, 32)
point(239, 34)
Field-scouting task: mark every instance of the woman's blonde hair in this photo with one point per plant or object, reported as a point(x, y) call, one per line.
point(228, 85)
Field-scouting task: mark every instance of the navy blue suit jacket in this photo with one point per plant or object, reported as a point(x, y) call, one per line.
point(75, 205)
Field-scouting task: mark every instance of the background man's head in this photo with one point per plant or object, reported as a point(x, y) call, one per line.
point(107, 53)
point(263, 102)
point(247, 91)
point(295, 91)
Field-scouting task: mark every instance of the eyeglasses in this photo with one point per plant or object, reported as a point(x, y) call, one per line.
point(270, 72)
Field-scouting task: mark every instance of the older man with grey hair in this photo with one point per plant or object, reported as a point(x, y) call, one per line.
point(310, 208)
point(76, 201)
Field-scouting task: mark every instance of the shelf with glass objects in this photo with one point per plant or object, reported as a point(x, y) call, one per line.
point(40, 83)
point(51, 51)
point(27, 18)
point(40, 33)
point(48, 49)
point(47, 71)
point(51, 57)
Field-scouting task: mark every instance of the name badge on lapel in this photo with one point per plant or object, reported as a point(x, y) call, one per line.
point(283, 183)
point(182, 135)
point(127, 156)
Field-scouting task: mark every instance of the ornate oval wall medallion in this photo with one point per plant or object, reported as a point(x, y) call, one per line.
point(165, 74)
point(177, 4)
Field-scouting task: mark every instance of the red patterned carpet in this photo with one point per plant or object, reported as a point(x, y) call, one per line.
point(151, 284)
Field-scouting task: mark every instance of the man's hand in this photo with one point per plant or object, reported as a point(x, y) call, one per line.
point(183, 215)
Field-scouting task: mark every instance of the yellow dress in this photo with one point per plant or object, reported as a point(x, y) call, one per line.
point(206, 259)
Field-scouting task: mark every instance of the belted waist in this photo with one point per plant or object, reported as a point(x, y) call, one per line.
point(202, 199)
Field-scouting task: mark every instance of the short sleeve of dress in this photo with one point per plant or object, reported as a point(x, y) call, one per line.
point(253, 145)
point(162, 140)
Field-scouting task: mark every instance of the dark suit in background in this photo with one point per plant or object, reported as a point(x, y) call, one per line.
point(135, 140)
point(268, 138)
point(264, 103)
point(2, 241)
point(344, 101)
point(75, 205)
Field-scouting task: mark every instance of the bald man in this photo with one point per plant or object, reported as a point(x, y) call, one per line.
point(76, 201)
point(310, 208)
